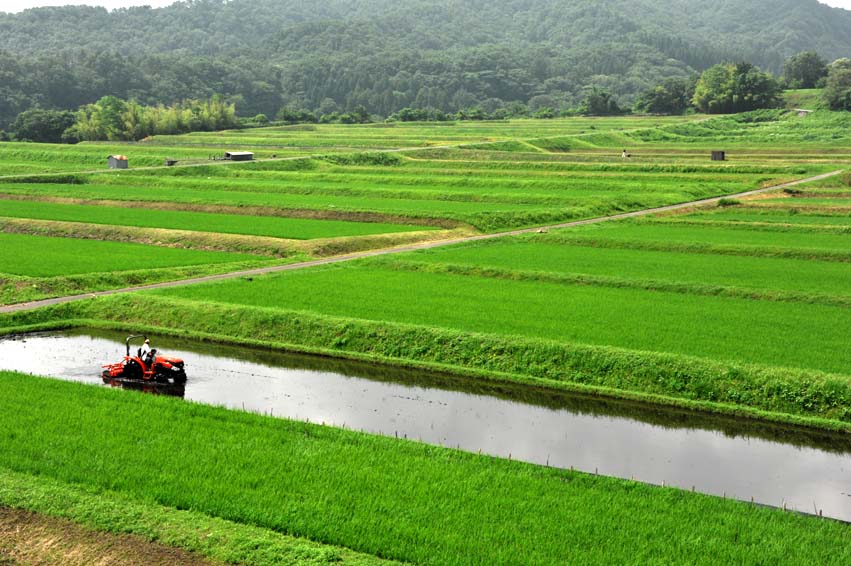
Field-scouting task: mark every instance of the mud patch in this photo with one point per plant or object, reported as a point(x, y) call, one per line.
point(311, 214)
point(28, 538)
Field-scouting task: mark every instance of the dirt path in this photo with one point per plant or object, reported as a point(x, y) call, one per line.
point(408, 248)
point(27, 538)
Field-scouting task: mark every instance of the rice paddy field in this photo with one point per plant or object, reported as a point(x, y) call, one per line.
point(738, 306)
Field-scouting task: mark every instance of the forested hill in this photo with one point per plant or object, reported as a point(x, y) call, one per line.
point(388, 54)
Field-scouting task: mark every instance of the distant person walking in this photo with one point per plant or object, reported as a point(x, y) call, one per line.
point(625, 155)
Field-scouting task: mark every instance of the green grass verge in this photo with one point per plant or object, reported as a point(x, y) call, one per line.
point(381, 496)
point(702, 383)
point(213, 537)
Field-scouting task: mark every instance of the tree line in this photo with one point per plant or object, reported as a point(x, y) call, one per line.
point(114, 119)
point(335, 56)
point(739, 87)
point(725, 88)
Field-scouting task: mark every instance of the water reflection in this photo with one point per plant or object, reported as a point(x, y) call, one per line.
point(165, 389)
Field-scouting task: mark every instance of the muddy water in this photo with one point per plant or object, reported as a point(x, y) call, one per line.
point(774, 465)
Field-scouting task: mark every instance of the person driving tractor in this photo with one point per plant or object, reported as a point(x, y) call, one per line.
point(146, 353)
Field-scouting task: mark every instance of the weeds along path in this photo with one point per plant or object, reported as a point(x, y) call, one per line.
point(407, 248)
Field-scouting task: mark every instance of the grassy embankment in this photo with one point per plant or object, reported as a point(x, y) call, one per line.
point(397, 499)
point(805, 98)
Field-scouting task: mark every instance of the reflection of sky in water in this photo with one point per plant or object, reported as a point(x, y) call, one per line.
point(770, 472)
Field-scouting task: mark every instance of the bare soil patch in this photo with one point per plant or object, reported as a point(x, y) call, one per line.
point(30, 539)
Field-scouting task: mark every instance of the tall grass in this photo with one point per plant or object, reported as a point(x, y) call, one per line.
point(218, 539)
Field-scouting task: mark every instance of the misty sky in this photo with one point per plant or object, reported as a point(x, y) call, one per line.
point(18, 5)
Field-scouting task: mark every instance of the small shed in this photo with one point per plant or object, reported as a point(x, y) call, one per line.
point(239, 156)
point(719, 156)
point(118, 162)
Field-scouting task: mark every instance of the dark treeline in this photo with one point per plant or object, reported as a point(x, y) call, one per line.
point(722, 89)
point(334, 56)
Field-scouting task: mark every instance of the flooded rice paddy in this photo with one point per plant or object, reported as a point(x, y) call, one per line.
point(803, 470)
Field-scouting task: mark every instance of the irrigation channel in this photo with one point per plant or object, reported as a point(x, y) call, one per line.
point(805, 470)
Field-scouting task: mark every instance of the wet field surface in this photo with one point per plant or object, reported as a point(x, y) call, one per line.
point(805, 470)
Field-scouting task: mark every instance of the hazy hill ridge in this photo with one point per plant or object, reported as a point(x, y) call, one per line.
point(387, 54)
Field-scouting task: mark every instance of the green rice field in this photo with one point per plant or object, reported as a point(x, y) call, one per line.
point(275, 227)
point(39, 256)
point(738, 307)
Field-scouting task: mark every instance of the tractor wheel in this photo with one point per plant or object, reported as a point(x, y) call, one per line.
point(132, 370)
point(179, 377)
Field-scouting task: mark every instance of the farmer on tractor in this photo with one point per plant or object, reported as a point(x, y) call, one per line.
point(146, 353)
point(146, 365)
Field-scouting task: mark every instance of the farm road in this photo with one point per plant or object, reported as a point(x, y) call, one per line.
point(408, 248)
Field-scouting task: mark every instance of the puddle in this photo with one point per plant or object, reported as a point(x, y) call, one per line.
point(806, 470)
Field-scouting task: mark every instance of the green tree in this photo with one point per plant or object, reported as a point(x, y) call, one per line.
point(113, 119)
point(804, 70)
point(599, 102)
point(735, 87)
point(837, 91)
point(673, 96)
point(291, 115)
point(45, 126)
point(545, 112)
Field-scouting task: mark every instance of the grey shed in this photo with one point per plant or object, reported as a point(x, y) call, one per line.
point(118, 162)
point(239, 155)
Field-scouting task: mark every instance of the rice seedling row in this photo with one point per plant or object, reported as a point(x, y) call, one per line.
point(291, 228)
point(39, 256)
point(749, 273)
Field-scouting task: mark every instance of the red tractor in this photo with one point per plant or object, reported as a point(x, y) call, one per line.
point(152, 368)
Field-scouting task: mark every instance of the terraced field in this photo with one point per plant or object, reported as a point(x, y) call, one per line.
point(738, 308)
point(272, 226)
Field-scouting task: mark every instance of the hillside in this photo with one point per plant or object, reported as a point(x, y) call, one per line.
point(386, 54)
